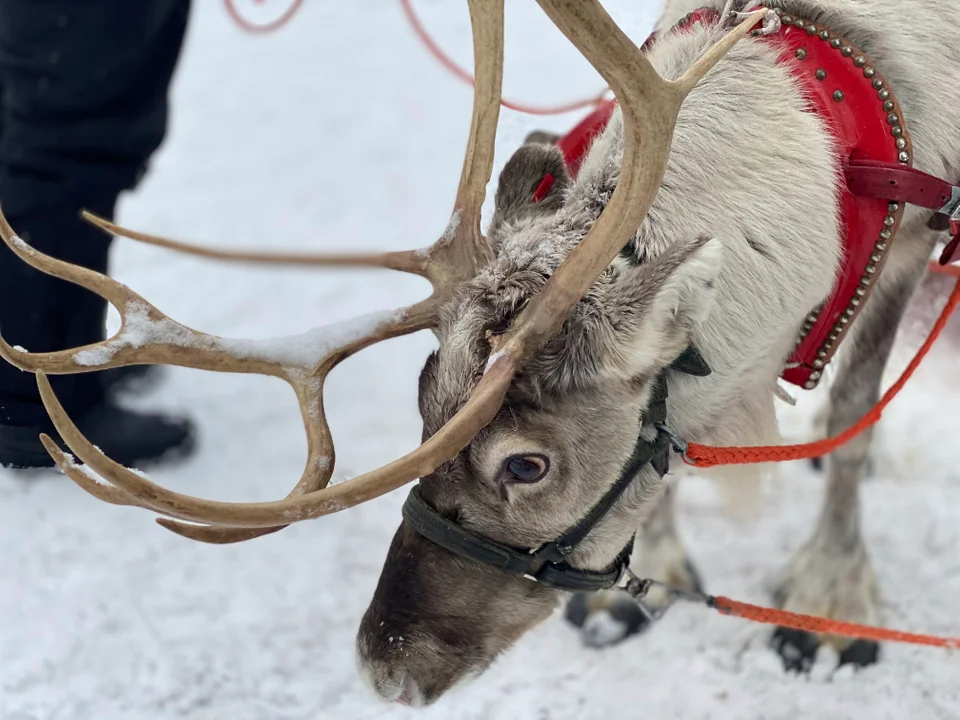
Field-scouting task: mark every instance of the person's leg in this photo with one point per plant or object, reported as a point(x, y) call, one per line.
point(84, 106)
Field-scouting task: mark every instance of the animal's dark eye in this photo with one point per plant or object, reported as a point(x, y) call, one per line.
point(526, 468)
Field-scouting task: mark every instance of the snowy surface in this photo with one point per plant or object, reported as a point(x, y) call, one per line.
point(341, 132)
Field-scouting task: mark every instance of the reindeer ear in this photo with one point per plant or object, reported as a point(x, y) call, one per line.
point(685, 281)
point(531, 183)
point(664, 300)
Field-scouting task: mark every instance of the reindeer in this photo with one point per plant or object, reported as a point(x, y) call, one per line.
point(703, 224)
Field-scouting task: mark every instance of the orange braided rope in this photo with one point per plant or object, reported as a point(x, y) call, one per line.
point(707, 456)
point(824, 626)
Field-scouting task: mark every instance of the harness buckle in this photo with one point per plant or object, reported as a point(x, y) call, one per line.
point(952, 210)
point(678, 444)
point(638, 588)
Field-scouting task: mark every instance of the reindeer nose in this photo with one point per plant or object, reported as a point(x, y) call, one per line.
point(409, 692)
point(391, 683)
point(399, 687)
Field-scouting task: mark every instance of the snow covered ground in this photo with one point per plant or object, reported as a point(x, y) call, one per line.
point(340, 131)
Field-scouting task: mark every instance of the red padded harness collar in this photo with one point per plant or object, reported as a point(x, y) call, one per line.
point(862, 114)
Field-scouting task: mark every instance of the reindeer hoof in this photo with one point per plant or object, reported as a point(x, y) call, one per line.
point(605, 620)
point(796, 648)
point(860, 654)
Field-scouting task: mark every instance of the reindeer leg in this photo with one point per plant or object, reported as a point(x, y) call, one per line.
point(608, 617)
point(831, 575)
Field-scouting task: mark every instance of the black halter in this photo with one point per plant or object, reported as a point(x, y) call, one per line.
point(547, 565)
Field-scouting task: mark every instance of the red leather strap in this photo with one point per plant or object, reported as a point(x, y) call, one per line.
point(574, 144)
point(889, 181)
point(899, 183)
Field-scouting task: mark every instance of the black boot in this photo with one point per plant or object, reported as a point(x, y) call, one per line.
point(129, 438)
point(74, 134)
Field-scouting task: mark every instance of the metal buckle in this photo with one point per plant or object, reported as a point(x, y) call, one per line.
point(952, 210)
point(678, 444)
point(638, 587)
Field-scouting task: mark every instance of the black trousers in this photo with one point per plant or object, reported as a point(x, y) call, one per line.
point(83, 106)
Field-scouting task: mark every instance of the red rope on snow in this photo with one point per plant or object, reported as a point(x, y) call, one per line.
point(432, 47)
point(466, 77)
point(250, 27)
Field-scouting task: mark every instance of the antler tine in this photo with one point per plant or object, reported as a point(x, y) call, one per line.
point(408, 261)
point(650, 106)
point(462, 250)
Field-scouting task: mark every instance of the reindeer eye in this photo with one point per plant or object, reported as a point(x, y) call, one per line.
point(527, 468)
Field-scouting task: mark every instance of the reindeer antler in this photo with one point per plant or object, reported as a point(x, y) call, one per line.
point(650, 108)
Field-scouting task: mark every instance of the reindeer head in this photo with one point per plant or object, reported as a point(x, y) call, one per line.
point(568, 427)
point(531, 406)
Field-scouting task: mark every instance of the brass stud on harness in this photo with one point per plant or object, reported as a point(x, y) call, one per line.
point(801, 54)
point(836, 43)
point(869, 72)
point(821, 74)
point(846, 51)
point(838, 95)
point(859, 61)
point(889, 220)
point(824, 34)
point(901, 143)
point(888, 106)
point(896, 131)
point(892, 208)
point(904, 157)
point(883, 94)
point(893, 118)
point(877, 84)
